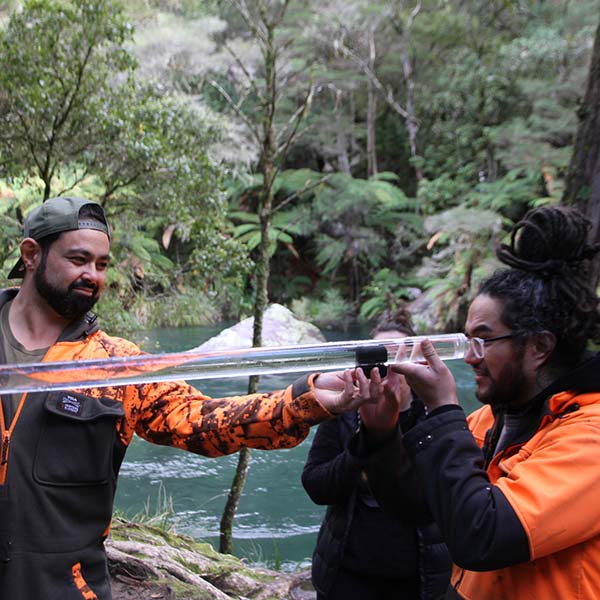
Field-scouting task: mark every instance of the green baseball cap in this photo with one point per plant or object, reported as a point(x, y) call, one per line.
point(56, 215)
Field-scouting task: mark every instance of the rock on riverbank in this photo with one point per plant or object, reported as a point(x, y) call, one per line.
point(149, 563)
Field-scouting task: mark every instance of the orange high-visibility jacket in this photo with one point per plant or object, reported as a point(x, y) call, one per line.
point(552, 482)
point(520, 513)
point(521, 521)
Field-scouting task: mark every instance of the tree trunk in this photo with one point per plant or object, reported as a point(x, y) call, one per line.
point(410, 113)
point(582, 188)
point(233, 501)
point(371, 109)
point(268, 168)
point(412, 123)
point(343, 160)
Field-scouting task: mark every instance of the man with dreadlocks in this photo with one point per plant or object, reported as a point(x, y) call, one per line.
point(515, 487)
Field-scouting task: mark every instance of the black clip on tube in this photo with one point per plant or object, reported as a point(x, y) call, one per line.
point(369, 357)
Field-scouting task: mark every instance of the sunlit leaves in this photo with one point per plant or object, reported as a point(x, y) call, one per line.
point(74, 114)
point(57, 62)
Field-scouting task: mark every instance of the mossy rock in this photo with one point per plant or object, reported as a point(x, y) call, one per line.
point(150, 563)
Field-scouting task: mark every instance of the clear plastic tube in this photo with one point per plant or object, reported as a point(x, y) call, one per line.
point(194, 366)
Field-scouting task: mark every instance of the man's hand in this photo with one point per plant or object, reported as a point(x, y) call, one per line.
point(398, 390)
point(341, 391)
point(381, 418)
point(432, 382)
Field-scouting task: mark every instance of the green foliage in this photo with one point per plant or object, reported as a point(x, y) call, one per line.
point(474, 95)
point(57, 60)
point(287, 287)
point(162, 154)
point(330, 311)
point(461, 246)
point(219, 266)
point(10, 232)
point(511, 196)
point(550, 63)
point(347, 227)
point(495, 97)
point(357, 223)
point(182, 309)
point(387, 291)
point(139, 150)
point(277, 556)
point(114, 318)
point(290, 184)
point(159, 513)
point(249, 232)
point(443, 192)
point(495, 85)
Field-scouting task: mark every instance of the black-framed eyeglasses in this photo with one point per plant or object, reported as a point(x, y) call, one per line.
point(477, 344)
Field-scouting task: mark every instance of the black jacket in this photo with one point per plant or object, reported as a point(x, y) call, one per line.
point(389, 547)
point(464, 469)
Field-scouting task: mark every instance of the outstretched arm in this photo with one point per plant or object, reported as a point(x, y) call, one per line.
point(176, 414)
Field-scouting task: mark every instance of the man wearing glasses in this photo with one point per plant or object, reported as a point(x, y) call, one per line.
point(515, 487)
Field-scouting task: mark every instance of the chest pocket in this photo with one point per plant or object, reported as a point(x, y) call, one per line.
point(77, 440)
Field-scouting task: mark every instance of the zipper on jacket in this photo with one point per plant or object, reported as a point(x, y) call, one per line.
point(459, 581)
point(6, 435)
point(5, 447)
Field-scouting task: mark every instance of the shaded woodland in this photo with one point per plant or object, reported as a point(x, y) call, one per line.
point(336, 157)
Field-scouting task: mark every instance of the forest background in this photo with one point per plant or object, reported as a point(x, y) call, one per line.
point(337, 157)
point(397, 142)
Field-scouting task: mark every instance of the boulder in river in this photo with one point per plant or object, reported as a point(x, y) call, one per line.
point(280, 328)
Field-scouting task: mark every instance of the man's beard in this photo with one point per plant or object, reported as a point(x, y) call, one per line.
point(500, 394)
point(507, 388)
point(67, 303)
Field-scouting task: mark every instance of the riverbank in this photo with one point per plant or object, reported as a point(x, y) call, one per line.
point(150, 563)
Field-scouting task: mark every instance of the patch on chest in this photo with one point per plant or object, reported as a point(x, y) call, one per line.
point(70, 404)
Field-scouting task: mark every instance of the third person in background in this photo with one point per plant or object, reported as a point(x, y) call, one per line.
point(362, 553)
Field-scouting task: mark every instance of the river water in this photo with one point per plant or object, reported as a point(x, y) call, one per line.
point(276, 523)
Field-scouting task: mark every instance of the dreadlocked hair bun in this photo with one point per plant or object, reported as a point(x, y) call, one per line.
point(550, 241)
point(548, 285)
point(398, 320)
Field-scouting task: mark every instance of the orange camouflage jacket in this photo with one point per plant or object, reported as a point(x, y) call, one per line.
point(62, 451)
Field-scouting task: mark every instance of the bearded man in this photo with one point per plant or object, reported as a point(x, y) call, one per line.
point(61, 451)
point(515, 487)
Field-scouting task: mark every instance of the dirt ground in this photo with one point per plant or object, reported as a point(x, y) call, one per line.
point(139, 590)
point(136, 590)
